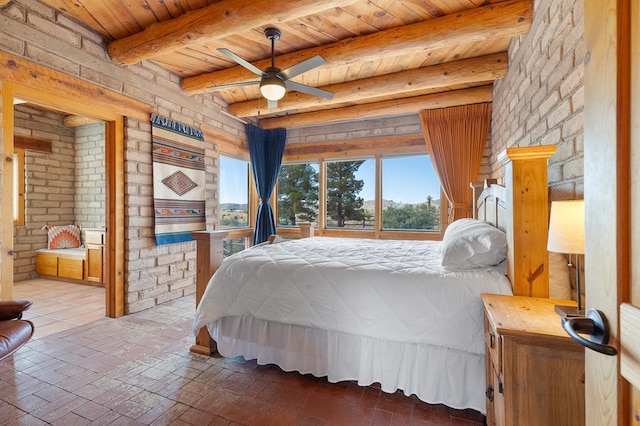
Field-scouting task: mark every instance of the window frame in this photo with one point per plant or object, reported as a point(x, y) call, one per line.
point(275, 203)
point(401, 145)
point(443, 214)
point(246, 233)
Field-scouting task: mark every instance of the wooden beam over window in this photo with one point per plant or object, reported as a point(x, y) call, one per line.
point(32, 144)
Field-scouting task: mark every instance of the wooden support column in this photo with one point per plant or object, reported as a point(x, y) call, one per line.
point(528, 201)
point(209, 256)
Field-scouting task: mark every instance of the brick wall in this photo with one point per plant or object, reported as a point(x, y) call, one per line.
point(401, 125)
point(540, 100)
point(90, 180)
point(49, 184)
point(32, 30)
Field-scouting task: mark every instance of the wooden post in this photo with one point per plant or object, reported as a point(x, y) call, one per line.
point(306, 229)
point(528, 203)
point(209, 255)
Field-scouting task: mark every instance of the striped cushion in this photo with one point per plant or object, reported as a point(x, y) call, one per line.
point(59, 237)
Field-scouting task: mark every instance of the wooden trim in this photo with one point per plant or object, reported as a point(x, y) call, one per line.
point(19, 164)
point(72, 94)
point(322, 196)
point(6, 188)
point(377, 214)
point(115, 235)
point(31, 144)
point(412, 143)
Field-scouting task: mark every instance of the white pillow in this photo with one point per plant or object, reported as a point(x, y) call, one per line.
point(471, 243)
point(559, 281)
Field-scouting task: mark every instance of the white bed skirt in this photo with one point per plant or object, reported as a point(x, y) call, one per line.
point(434, 374)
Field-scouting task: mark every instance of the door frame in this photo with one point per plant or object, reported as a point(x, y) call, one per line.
point(114, 173)
point(47, 87)
point(607, 182)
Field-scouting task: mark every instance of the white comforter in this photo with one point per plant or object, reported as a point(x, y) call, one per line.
point(391, 290)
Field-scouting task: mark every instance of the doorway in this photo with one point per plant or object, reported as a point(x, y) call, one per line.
point(81, 106)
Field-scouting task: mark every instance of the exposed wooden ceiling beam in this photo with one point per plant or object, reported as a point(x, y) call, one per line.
point(383, 109)
point(77, 120)
point(215, 21)
point(506, 19)
point(450, 74)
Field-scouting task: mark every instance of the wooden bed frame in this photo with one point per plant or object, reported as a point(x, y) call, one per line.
point(520, 208)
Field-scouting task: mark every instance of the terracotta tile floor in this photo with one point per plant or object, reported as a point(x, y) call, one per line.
point(58, 305)
point(138, 370)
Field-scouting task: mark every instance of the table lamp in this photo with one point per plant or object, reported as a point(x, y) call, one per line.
point(566, 235)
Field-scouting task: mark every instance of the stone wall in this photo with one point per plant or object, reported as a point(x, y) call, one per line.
point(540, 100)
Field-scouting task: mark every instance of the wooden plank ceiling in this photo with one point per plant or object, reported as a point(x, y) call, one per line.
point(384, 57)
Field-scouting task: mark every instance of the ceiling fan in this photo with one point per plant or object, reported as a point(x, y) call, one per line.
point(275, 82)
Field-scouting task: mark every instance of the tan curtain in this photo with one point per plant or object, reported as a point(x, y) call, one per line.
point(455, 138)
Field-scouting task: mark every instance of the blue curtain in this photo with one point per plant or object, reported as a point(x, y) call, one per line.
point(266, 148)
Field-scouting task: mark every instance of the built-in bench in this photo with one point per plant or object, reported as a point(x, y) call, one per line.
point(82, 263)
point(62, 263)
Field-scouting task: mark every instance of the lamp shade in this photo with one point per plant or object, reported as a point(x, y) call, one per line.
point(566, 227)
point(272, 88)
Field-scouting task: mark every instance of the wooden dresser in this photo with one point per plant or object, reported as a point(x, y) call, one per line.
point(535, 371)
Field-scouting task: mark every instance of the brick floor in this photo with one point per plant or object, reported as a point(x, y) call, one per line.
point(138, 370)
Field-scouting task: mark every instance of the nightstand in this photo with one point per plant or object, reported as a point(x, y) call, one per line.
point(535, 371)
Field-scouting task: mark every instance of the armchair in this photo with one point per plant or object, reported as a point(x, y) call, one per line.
point(14, 331)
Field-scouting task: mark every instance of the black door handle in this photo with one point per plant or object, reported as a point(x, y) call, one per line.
point(595, 325)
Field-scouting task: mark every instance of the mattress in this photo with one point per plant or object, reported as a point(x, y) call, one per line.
point(387, 289)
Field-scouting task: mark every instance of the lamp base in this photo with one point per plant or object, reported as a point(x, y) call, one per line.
point(569, 311)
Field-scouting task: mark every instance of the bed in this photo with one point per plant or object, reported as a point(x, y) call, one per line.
point(380, 311)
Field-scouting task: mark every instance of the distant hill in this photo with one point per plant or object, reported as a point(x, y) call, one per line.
point(234, 207)
point(370, 204)
point(367, 205)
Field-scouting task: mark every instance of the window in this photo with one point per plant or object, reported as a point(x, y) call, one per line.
point(410, 194)
point(234, 193)
point(234, 201)
point(18, 187)
point(350, 194)
point(298, 194)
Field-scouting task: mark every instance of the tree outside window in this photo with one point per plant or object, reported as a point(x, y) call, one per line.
point(345, 206)
point(297, 194)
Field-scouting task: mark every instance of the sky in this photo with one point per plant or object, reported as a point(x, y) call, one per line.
point(405, 180)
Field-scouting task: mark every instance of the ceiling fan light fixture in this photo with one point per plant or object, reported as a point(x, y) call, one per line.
point(272, 88)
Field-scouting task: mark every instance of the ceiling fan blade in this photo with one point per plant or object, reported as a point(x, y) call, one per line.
point(303, 66)
point(241, 61)
point(310, 90)
point(272, 104)
point(232, 85)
